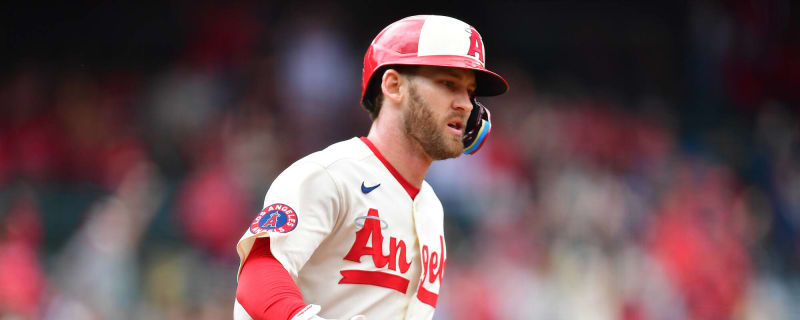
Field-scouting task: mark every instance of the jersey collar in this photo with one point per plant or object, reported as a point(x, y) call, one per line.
point(410, 189)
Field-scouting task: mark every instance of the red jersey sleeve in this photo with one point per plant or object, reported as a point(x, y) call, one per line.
point(265, 289)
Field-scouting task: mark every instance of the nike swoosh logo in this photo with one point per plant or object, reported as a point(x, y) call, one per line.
point(366, 189)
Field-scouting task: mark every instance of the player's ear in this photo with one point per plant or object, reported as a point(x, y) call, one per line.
point(391, 85)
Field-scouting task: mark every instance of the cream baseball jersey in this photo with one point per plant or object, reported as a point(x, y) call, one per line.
point(354, 235)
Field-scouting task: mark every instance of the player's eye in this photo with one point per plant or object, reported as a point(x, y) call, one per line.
point(449, 84)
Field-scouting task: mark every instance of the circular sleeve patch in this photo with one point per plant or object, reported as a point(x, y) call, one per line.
point(276, 217)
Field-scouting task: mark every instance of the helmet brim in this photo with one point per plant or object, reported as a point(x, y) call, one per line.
point(488, 83)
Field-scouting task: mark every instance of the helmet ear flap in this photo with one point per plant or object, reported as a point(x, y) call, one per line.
point(479, 125)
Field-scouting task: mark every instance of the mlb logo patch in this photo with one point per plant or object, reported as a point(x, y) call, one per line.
point(276, 217)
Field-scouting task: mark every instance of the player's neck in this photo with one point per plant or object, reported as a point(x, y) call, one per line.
point(404, 154)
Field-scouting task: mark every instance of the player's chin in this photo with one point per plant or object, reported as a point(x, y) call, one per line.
point(454, 148)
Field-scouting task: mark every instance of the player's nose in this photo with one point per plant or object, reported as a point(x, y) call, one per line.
point(463, 102)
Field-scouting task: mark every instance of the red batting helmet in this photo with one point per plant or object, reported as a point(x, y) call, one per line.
point(428, 40)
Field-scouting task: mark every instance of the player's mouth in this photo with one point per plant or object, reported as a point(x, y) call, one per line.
point(456, 126)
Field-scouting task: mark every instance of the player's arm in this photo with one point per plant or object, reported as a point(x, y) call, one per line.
point(266, 290)
point(301, 207)
point(283, 299)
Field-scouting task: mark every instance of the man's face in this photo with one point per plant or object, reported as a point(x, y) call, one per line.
point(437, 109)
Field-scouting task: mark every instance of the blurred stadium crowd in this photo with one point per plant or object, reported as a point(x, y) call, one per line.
point(124, 188)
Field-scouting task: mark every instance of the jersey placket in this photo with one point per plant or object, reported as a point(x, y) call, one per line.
point(415, 307)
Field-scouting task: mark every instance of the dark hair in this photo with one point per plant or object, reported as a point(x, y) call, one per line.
point(373, 97)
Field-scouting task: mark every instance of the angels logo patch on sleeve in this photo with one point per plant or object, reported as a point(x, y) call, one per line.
point(276, 217)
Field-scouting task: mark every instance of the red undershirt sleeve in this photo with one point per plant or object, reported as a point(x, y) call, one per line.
point(265, 289)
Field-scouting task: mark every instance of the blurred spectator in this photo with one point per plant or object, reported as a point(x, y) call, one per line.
point(22, 278)
point(96, 275)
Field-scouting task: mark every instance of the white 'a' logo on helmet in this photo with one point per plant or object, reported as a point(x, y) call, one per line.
point(446, 36)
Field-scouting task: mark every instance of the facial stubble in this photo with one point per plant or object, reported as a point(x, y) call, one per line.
point(422, 127)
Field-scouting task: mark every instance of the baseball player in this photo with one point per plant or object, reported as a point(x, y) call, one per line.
point(354, 231)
